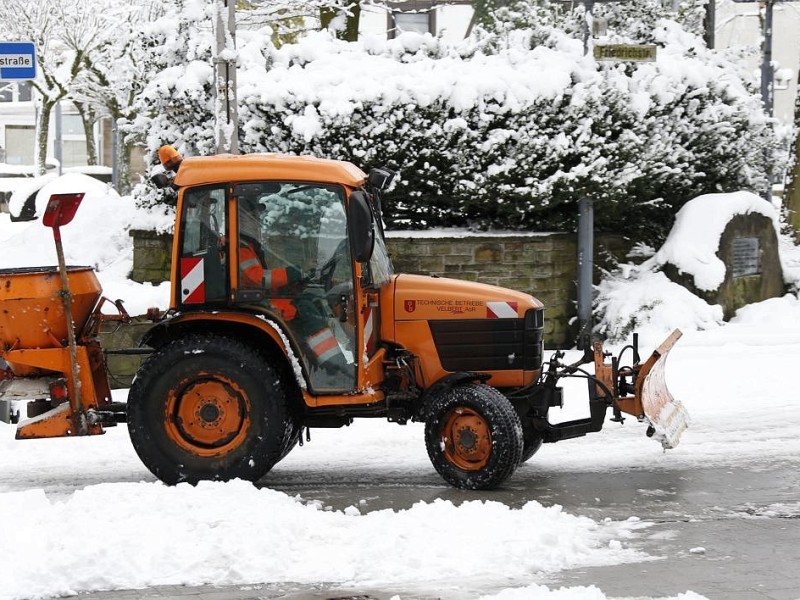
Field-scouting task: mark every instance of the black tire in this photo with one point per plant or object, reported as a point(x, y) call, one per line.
point(291, 436)
point(473, 436)
point(208, 407)
point(532, 441)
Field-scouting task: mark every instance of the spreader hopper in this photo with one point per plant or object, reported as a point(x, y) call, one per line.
point(32, 310)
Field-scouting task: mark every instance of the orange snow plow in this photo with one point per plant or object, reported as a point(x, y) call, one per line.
point(651, 400)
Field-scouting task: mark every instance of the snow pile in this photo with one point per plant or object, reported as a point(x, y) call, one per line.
point(150, 534)
point(541, 592)
point(641, 298)
point(97, 237)
point(648, 303)
point(693, 243)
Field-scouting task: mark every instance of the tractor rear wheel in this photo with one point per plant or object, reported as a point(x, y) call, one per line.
point(208, 407)
point(473, 436)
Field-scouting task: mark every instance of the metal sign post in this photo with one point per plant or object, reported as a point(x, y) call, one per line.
point(60, 210)
point(621, 52)
point(226, 109)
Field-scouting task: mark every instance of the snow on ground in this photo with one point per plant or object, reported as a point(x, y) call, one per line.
point(736, 380)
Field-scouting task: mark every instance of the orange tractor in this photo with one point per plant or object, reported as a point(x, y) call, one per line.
point(286, 315)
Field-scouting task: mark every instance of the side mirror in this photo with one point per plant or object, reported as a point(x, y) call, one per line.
point(360, 226)
point(161, 180)
point(380, 179)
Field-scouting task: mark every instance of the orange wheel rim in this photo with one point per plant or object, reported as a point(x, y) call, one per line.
point(208, 416)
point(466, 439)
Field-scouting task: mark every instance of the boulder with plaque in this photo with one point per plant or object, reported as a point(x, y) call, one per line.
point(724, 249)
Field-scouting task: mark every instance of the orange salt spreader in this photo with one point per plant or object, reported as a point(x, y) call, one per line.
point(49, 320)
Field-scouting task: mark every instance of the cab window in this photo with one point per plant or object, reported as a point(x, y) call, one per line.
point(202, 264)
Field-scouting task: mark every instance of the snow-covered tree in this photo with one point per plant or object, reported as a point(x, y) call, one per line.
point(81, 56)
point(64, 32)
point(113, 74)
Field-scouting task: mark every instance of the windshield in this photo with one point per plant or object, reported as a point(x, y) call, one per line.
point(380, 265)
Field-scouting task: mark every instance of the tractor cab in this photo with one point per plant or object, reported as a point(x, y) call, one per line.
point(302, 253)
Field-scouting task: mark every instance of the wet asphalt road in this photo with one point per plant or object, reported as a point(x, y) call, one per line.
point(728, 533)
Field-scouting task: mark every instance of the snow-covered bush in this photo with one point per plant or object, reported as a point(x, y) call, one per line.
point(507, 130)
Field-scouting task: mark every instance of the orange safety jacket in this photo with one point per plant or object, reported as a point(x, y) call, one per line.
point(255, 275)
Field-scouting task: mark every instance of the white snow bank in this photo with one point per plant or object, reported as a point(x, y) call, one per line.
point(232, 533)
point(650, 304)
point(97, 237)
point(693, 242)
point(641, 298)
point(576, 593)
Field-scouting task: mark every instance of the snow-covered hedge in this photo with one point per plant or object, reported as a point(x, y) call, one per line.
point(507, 130)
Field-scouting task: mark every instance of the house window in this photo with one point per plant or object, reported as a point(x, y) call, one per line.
point(15, 92)
point(20, 140)
point(418, 22)
point(24, 91)
point(73, 146)
point(413, 15)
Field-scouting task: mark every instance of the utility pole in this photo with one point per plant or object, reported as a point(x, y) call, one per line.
point(767, 74)
point(710, 23)
point(225, 104)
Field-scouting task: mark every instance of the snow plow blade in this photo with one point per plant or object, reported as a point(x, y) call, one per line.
point(667, 416)
point(652, 400)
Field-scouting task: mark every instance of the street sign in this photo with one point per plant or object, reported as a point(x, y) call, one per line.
point(626, 52)
point(17, 61)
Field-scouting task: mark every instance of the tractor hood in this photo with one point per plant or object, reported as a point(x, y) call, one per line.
point(463, 326)
point(417, 297)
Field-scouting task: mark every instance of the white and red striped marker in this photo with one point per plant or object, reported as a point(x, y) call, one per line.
point(193, 283)
point(501, 310)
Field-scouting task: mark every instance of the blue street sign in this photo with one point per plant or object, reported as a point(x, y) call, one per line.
point(17, 61)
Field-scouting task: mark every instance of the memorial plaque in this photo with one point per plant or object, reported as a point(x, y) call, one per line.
point(745, 253)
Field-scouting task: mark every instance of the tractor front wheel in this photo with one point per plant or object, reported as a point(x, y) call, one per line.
point(532, 442)
point(207, 407)
point(473, 436)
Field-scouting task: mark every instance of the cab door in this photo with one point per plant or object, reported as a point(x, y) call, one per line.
point(202, 276)
point(294, 261)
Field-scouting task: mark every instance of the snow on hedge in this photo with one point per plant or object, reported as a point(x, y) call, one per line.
point(504, 130)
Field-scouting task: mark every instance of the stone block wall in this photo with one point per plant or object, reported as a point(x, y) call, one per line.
point(152, 256)
point(544, 265)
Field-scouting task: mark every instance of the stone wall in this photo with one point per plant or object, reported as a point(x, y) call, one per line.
point(152, 256)
point(544, 265)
